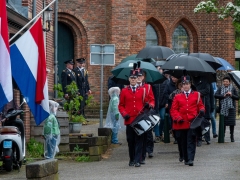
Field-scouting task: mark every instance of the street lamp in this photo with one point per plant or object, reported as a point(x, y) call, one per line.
point(48, 18)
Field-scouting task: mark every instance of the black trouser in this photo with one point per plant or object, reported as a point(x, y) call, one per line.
point(231, 128)
point(135, 145)
point(148, 143)
point(191, 144)
point(83, 104)
point(186, 143)
point(181, 137)
point(207, 134)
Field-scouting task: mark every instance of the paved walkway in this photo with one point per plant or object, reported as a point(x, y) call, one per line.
point(212, 162)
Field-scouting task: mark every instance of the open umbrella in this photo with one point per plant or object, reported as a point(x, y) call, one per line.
point(190, 65)
point(208, 58)
point(156, 52)
point(158, 63)
point(225, 65)
point(122, 71)
point(133, 57)
point(235, 76)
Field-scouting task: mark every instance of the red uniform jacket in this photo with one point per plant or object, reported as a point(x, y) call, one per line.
point(185, 108)
point(132, 103)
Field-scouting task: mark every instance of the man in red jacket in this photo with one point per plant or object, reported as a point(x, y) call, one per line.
point(186, 106)
point(132, 102)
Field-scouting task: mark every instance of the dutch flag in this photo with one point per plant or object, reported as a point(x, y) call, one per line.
point(6, 92)
point(28, 64)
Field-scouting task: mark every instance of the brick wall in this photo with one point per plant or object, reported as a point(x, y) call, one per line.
point(123, 23)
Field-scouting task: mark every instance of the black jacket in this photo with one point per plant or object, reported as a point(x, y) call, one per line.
point(203, 87)
point(67, 78)
point(170, 87)
point(158, 92)
point(82, 81)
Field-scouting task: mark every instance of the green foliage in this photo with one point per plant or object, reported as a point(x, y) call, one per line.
point(72, 104)
point(34, 149)
point(77, 149)
point(82, 158)
point(58, 88)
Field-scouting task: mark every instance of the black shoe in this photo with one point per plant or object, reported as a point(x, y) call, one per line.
point(131, 163)
point(150, 155)
point(142, 162)
point(180, 159)
point(190, 163)
point(232, 138)
point(208, 142)
point(199, 143)
point(175, 142)
point(137, 165)
point(215, 136)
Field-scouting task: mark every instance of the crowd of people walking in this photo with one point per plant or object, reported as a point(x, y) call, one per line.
point(182, 100)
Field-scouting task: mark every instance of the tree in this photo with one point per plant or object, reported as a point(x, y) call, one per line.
point(232, 9)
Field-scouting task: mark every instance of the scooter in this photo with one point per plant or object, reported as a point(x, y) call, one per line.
point(12, 140)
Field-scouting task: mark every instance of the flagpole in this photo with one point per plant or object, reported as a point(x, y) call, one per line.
point(31, 20)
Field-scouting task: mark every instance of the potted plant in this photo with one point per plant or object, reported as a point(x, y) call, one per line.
point(72, 106)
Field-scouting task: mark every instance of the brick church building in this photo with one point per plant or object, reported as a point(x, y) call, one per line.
point(130, 25)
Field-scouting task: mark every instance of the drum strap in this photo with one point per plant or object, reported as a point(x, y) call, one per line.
point(198, 97)
point(144, 94)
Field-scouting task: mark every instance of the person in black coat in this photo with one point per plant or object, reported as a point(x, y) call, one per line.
point(206, 92)
point(82, 83)
point(160, 102)
point(170, 87)
point(67, 76)
point(227, 96)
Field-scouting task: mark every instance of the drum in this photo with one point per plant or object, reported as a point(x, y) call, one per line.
point(153, 117)
point(145, 122)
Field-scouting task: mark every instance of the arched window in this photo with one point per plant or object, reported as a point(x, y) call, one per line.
point(151, 36)
point(180, 40)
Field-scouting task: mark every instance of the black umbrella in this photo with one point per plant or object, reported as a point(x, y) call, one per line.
point(158, 63)
point(208, 58)
point(190, 65)
point(235, 76)
point(157, 52)
point(120, 81)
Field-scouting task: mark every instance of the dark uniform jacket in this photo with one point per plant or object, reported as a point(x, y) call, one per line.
point(82, 81)
point(67, 77)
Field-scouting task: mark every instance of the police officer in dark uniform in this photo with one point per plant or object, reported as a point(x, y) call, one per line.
point(82, 82)
point(67, 76)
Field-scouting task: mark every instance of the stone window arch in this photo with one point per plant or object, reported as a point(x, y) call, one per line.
point(151, 36)
point(180, 40)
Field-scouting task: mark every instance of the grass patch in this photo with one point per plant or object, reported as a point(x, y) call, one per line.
point(82, 158)
point(35, 149)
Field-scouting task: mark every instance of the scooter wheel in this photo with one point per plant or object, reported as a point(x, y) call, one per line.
point(8, 165)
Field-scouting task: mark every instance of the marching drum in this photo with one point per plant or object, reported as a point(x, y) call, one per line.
point(145, 122)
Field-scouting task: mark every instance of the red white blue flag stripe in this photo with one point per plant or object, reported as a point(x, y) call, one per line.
point(28, 63)
point(6, 92)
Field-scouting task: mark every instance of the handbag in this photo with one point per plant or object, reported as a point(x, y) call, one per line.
point(200, 123)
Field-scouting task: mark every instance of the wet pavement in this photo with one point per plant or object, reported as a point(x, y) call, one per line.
point(217, 161)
